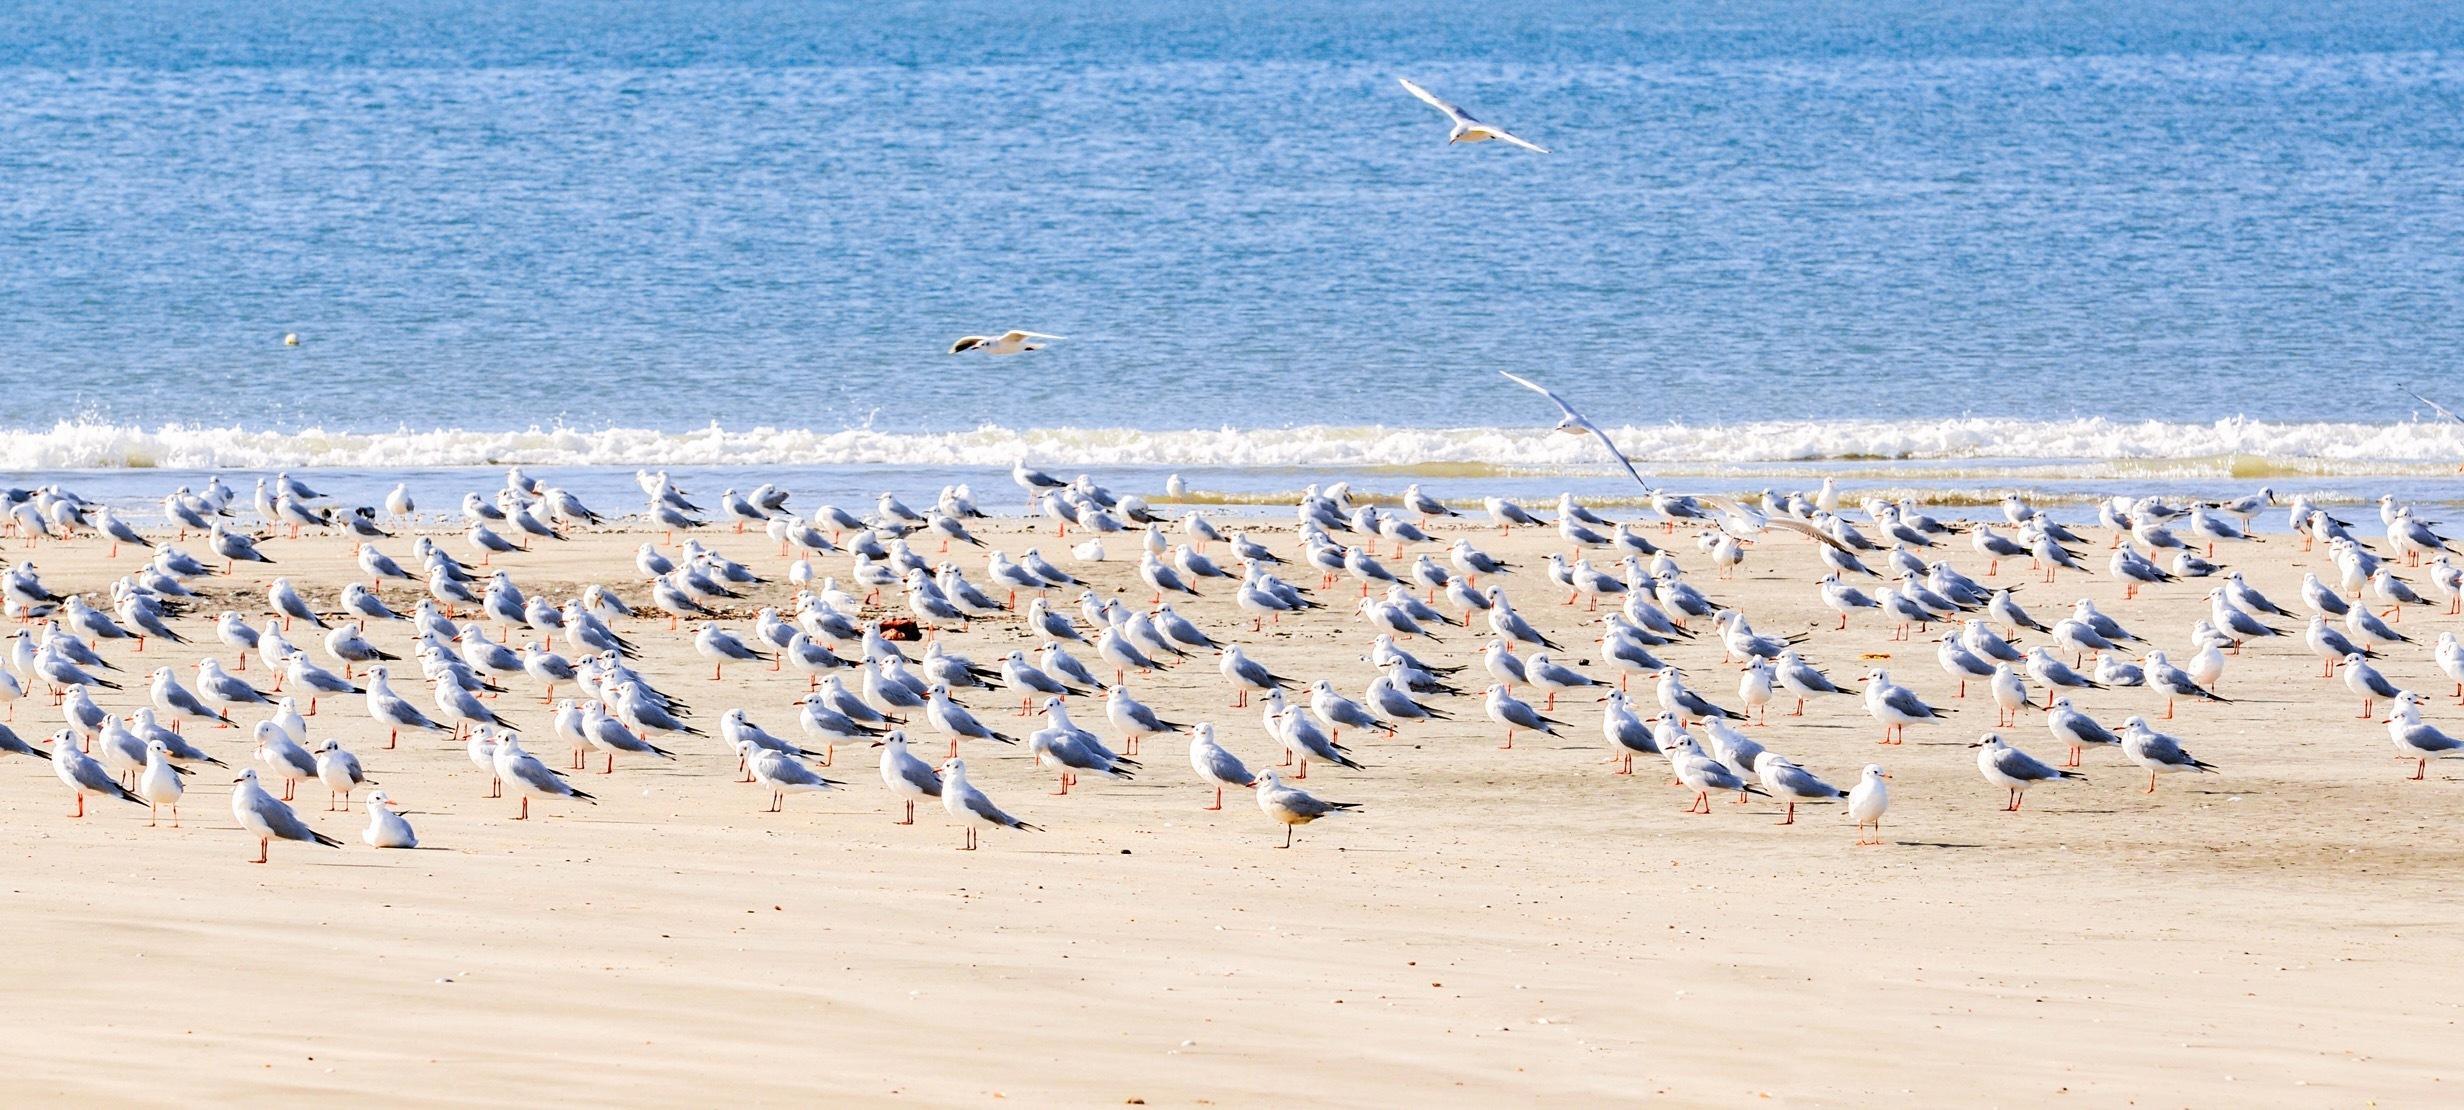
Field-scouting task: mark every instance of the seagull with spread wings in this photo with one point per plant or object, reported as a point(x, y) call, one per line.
point(1007, 343)
point(1575, 423)
point(2440, 409)
point(1466, 129)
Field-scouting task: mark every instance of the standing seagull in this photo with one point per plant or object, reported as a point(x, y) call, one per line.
point(83, 775)
point(1466, 129)
point(969, 805)
point(265, 816)
point(1216, 765)
point(1571, 422)
point(2159, 753)
point(1294, 806)
point(1868, 800)
point(2014, 770)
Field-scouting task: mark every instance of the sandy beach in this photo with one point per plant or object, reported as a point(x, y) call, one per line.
point(1493, 924)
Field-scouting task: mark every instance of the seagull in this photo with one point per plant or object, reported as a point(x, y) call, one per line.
point(386, 828)
point(531, 778)
point(1792, 784)
point(1216, 765)
point(2159, 753)
point(268, 818)
point(1894, 706)
point(2076, 729)
point(1294, 806)
point(1868, 800)
point(1514, 713)
point(1703, 774)
point(784, 774)
point(2014, 770)
point(1007, 343)
point(339, 770)
point(1571, 422)
point(969, 805)
point(907, 777)
point(82, 774)
point(1466, 129)
point(2416, 740)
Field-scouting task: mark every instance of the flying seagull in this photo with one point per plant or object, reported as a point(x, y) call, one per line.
point(1467, 129)
point(1006, 343)
point(2440, 409)
point(1574, 423)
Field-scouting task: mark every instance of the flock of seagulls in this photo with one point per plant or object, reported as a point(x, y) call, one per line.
point(861, 610)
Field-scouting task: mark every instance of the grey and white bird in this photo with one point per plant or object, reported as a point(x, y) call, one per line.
point(971, 808)
point(530, 778)
point(2014, 770)
point(1215, 765)
point(269, 819)
point(2159, 753)
point(2076, 730)
point(781, 773)
point(1792, 784)
point(1012, 342)
point(1894, 706)
point(2417, 740)
point(82, 774)
point(341, 773)
point(1516, 714)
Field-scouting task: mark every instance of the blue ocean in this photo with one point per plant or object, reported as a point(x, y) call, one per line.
point(1952, 249)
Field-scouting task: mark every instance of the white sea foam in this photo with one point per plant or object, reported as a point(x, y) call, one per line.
point(1960, 447)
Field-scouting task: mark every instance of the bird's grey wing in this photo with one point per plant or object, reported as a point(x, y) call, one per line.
point(1431, 99)
point(281, 819)
point(534, 774)
point(2020, 765)
point(1545, 391)
point(981, 806)
point(2440, 409)
point(1224, 765)
point(92, 776)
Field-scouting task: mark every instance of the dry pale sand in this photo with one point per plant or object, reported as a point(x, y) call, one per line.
point(1493, 926)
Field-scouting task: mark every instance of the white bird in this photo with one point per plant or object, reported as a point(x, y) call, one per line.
point(1868, 800)
point(907, 777)
point(1007, 343)
point(159, 784)
point(386, 828)
point(339, 770)
point(1466, 129)
point(1569, 421)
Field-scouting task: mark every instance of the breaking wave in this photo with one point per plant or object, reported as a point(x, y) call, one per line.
point(1950, 448)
